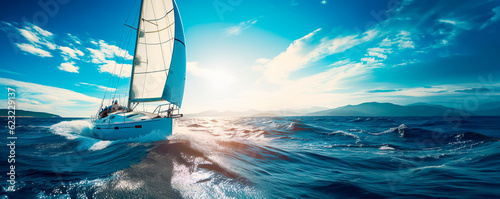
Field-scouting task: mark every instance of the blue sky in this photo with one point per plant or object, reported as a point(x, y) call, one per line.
point(265, 55)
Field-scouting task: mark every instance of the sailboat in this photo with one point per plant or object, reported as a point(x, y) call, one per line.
point(158, 75)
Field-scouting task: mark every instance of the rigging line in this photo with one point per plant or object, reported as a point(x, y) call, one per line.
point(130, 26)
point(161, 46)
point(119, 53)
point(130, 12)
point(120, 43)
point(109, 81)
point(116, 63)
point(127, 41)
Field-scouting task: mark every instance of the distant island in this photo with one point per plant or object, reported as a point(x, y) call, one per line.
point(22, 113)
point(371, 109)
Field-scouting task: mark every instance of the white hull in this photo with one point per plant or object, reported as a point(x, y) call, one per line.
point(123, 126)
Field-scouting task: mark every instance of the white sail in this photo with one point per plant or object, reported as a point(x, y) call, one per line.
point(159, 67)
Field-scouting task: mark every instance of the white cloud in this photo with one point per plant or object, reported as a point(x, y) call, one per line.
point(323, 2)
point(69, 67)
point(30, 36)
point(423, 91)
point(327, 88)
point(369, 60)
point(37, 35)
point(448, 21)
point(112, 50)
point(97, 56)
point(378, 54)
point(10, 72)
point(36, 97)
point(102, 88)
point(29, 101)
point(75, 38)
point(374, 53)
point(42, 31)
point(336, 78)
point(6, 26)
point(493, 19)
point(402, 40)
point(40, 41)
point(73, 53)
point(459, 24)
point(110, 66)
point(306, 50)
point(262, 60)
point(106, 55)
point(236, 30)
point(30, 48)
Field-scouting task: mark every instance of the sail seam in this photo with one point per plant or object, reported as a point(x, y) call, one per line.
point(157, 43)
point(156, 71)
point(160, 29)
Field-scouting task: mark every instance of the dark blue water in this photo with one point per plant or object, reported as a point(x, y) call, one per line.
point(289, 157)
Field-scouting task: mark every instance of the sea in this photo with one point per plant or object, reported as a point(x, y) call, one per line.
point(259, 157)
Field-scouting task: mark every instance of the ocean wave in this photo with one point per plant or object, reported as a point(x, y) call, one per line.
point(385, 147)
point(72, 129)
point(289, 157)
point(342, 133)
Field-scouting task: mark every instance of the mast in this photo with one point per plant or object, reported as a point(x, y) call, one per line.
point(135, 53)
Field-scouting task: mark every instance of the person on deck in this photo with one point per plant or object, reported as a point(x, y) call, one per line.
point(115, 106)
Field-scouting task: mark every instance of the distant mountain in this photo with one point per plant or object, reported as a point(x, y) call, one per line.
point(488, 112)
point(387, 109)
point(214, 113)
point(486, 109)
point(371, 109)
point(489, 106)
point(256, 113)
point(21, 113)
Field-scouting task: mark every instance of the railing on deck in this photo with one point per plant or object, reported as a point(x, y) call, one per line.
point(167, 110)
point(163, 110)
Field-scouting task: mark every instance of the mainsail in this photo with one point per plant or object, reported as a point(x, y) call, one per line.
point(159, 66)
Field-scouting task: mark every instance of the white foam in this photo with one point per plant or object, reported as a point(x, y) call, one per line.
point(291, 126)
point(189, 184)
point(153, 136)
point(72, 129)
point(400, 129)
point(100, 145)
point(386, 148)
point(79, 130)
point(128, 185)
point(346, 134)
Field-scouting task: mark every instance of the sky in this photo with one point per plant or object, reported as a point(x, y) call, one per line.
point(60, 55)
